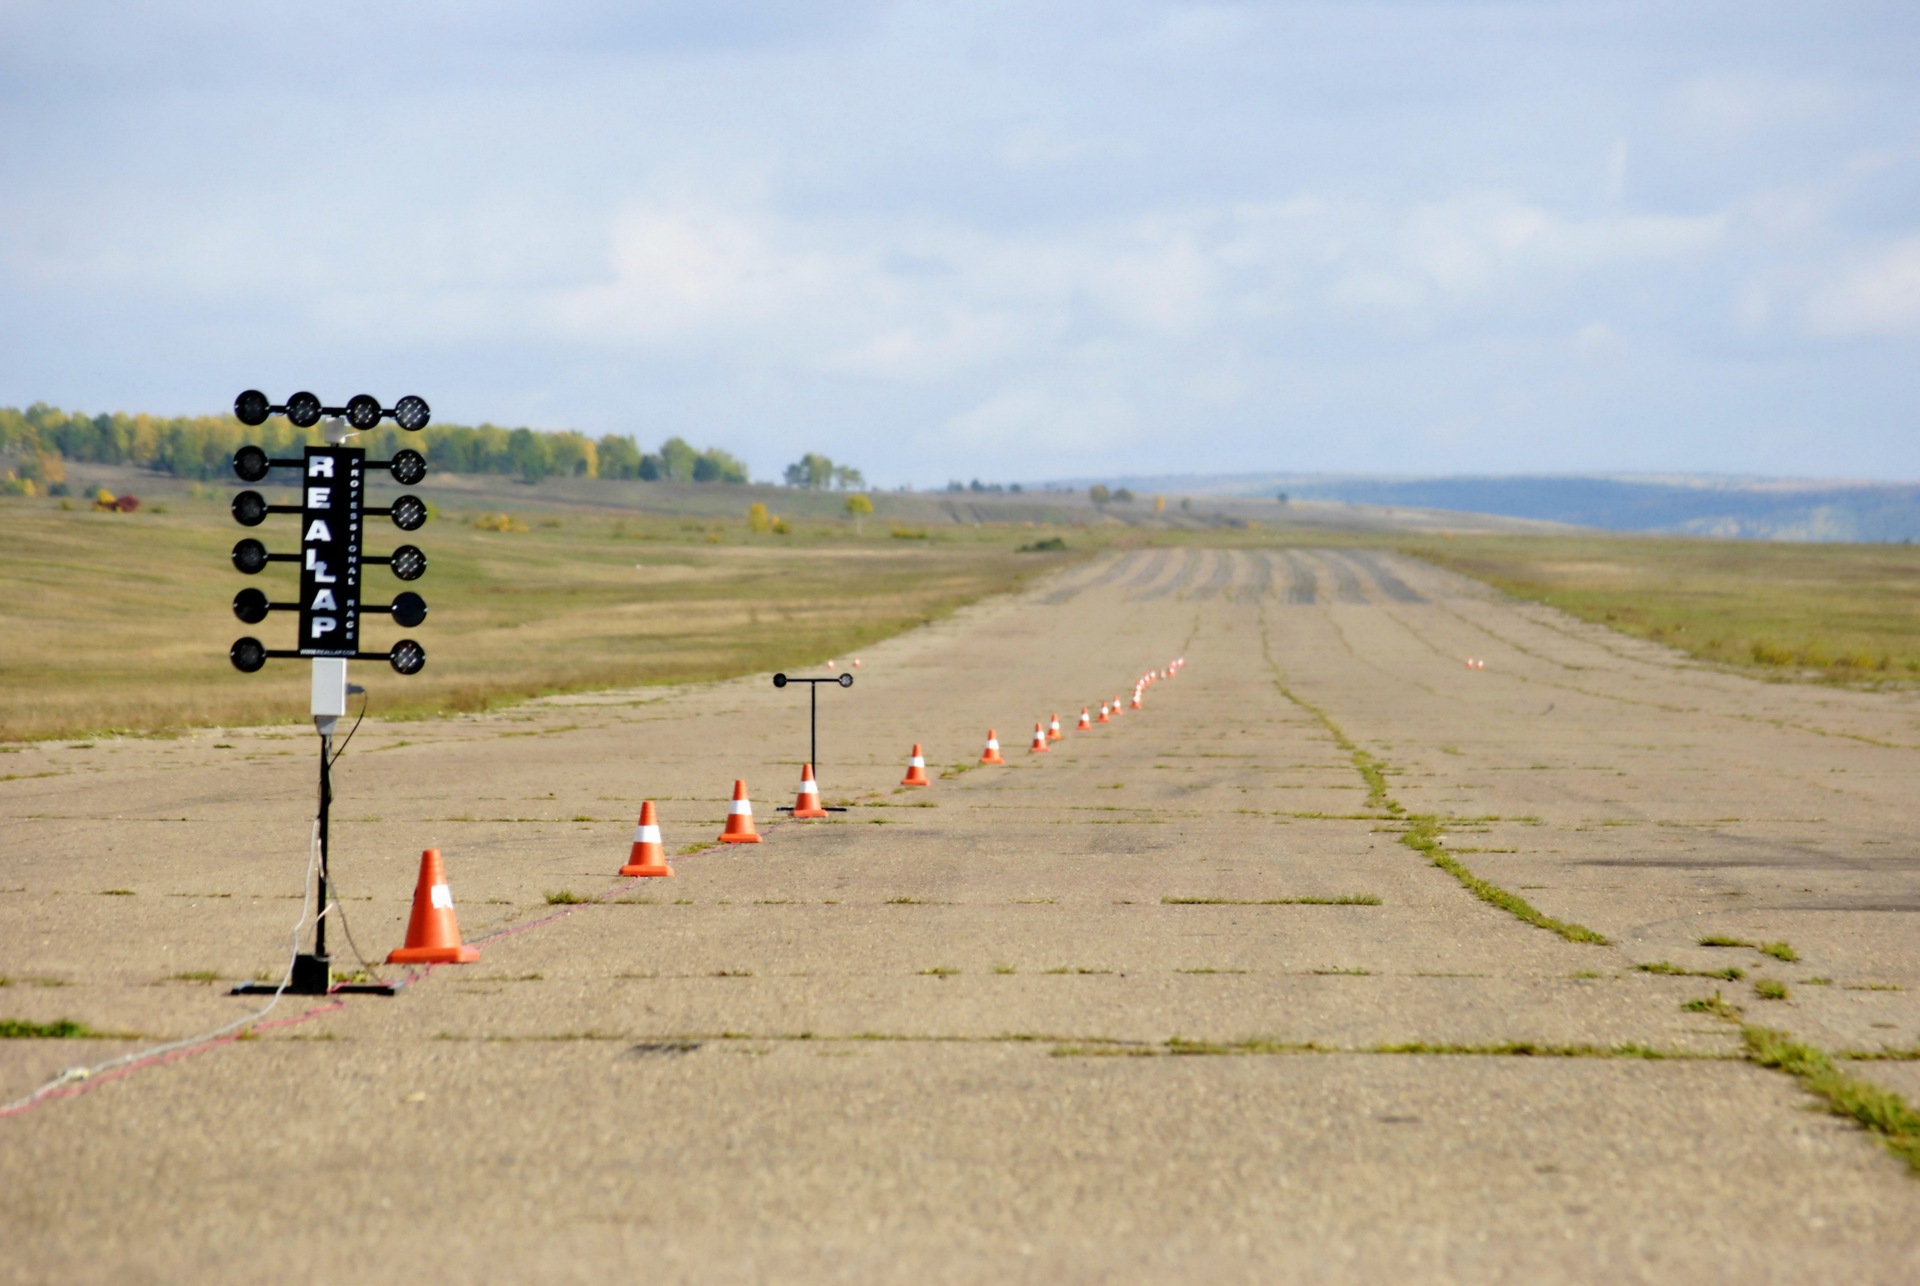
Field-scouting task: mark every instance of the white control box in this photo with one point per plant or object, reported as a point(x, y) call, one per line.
point(329, 686)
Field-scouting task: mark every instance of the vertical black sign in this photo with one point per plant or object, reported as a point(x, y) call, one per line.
point(332, 496)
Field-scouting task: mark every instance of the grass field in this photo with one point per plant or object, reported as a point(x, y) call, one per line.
point(120, 622)
point(1834, 613)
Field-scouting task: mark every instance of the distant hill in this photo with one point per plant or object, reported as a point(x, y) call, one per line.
point(1742, 508)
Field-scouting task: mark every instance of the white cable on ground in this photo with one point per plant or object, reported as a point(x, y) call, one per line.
point(76, 1075)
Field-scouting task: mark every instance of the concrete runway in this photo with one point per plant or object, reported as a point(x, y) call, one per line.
point(1048, 1022)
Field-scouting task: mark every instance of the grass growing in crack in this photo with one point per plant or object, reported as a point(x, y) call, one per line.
point(1004, 969)
point(1666, 968)
point(1178, 1046)
point(1072, 969)
point(1721, 940)
point(195, 975)
point(1770, 989)
point(1779, 951)
point(1422, 835)
point(565, 897)
point(1342, 973)
point(1528, 1049)
point(1881, 1111)
point(938, 971)
point(1423, 831)
point(1349, 899)
point(1712, 1005)
point(60, 1029)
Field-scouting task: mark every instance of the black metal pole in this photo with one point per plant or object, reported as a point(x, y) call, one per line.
point(813, 726)
point(326, 806)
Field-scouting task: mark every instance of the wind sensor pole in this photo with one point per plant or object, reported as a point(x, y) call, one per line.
point(813, 716)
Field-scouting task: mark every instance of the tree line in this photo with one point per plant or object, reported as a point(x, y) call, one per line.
point(202, 447)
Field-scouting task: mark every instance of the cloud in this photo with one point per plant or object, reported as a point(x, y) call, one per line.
point(1876, 294)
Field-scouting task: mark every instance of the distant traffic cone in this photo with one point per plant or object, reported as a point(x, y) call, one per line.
point(1116, 707)
point(1104, 716)
point(807, 804)
point(1053, 729)
point(1039, 746)
point(1084, 723)
point(916, 769)
point(740, 818)
point(433, 935)
point(1136, 698)
point(647, 856)
point(991, 755)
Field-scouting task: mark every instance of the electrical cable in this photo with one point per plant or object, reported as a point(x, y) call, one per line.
point(76, 1075)
point(350, 731)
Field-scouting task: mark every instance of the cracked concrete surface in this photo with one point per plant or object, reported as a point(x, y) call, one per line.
point(928, 1039)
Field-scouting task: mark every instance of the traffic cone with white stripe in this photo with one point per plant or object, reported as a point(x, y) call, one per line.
point(1104, 716)
point(1039, 746)
point(1085, 722)
point(807, 804)
point(991, 755)
point(647, 856)
point(1116, 707)
point(433, 934)
point(1053, 729)
point(740, 818)
point(1136, 698)
point(916, 769)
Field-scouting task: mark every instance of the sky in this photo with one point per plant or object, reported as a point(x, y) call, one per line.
point(1007, 241)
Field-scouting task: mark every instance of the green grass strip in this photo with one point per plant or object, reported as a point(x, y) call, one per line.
point(1881, 1111)
point(63, 1029)
point(1423, 836)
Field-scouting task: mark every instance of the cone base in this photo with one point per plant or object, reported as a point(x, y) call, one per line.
point(739, 839)
point(1038, 750)
point(809, 812)
point(991, 759)
point(661, 869)
point(911, 782)
point(433, 955)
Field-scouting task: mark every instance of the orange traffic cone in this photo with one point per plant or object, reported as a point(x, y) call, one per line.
point(808, 802)
point(1116, 707)
point(1085, 722)
point(991, 755)
point(1136, 698)
point(1053, 729)
point(1039, 746)
point(1104, 716)
point(916, 769)
point(647, 856)
point(740, 818)
point(433, 935)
